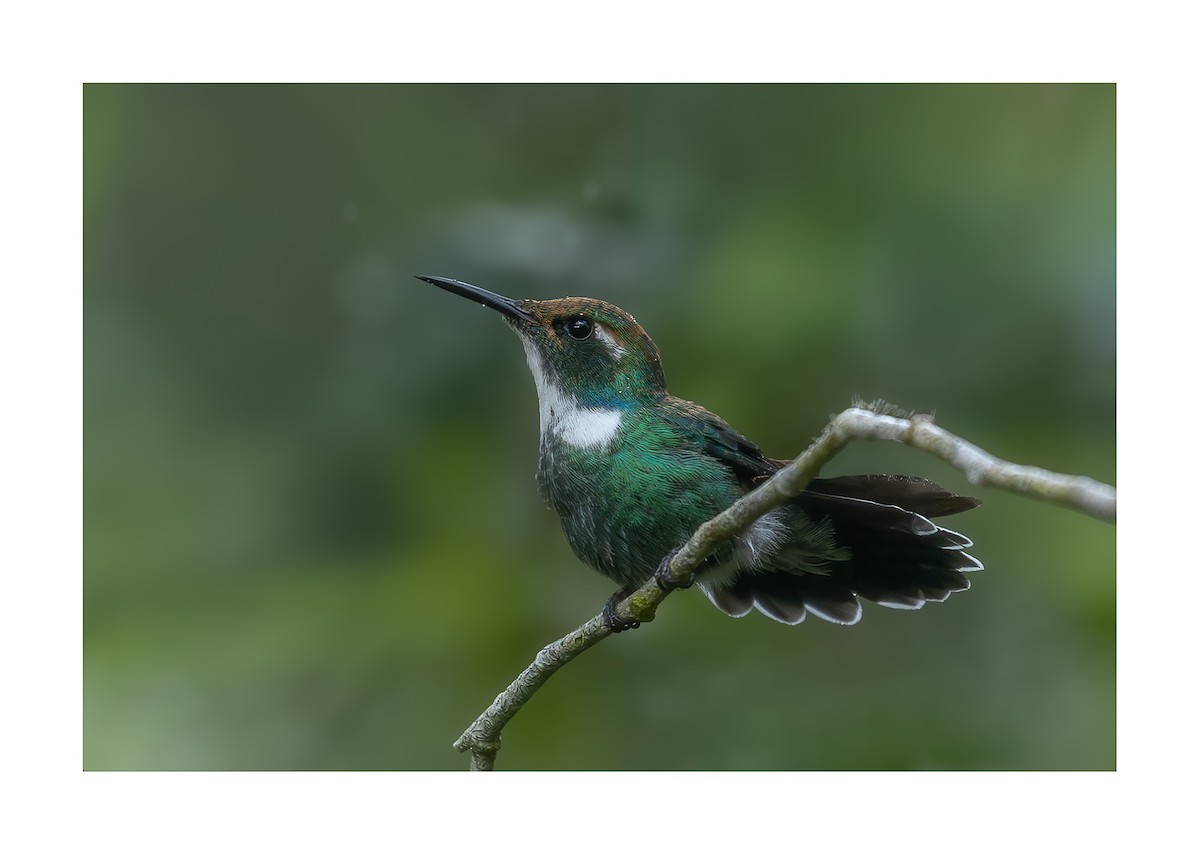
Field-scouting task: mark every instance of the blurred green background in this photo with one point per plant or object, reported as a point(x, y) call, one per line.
point(312, 534)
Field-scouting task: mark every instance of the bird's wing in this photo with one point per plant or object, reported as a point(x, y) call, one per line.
point(716, 438)
point(906, 491)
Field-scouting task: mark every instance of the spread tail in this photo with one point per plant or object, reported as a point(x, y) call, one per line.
point(896, 556)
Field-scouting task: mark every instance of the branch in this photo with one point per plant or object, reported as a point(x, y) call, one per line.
point(1099, 500)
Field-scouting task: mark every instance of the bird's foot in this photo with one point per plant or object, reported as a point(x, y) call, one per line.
point(662, 576)
point(613, 620)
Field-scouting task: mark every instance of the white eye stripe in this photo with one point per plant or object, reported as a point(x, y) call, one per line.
point(607, 339)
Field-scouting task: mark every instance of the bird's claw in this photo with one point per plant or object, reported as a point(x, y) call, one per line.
point(662, 576)
point(613, 620)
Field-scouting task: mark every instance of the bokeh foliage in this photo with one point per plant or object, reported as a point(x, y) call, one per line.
point(312, 538)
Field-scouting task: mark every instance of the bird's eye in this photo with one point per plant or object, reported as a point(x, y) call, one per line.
point(578, 328)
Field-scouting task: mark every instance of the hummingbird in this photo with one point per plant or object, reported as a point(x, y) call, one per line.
point(632, 471)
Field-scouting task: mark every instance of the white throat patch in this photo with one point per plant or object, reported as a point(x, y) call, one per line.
point(563, 416)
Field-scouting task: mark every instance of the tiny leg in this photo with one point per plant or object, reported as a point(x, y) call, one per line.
point(662, 576)
point(613, 620)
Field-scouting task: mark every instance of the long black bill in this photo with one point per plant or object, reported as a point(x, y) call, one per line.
point(503, 305)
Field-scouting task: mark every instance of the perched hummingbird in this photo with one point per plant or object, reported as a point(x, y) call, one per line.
point(632, 471)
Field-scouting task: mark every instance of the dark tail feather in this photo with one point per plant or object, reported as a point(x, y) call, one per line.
point(905, 491)
point(898, 557)
point(787, 597)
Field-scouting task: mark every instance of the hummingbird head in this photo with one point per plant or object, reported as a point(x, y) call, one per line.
point(589, 358)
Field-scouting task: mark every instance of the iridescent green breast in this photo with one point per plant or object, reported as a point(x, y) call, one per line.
point(625, 505)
